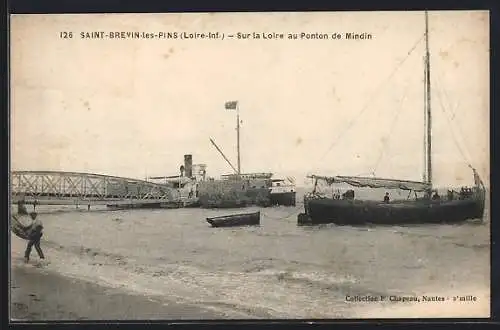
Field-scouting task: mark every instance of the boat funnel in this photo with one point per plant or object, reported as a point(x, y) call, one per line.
point(188, 165)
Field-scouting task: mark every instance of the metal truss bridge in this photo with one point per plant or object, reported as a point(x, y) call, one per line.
point(53, 187)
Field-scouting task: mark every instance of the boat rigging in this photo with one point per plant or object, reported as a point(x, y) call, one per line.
point(468, 204)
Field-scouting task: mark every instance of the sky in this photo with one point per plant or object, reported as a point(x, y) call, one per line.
point(134, 107)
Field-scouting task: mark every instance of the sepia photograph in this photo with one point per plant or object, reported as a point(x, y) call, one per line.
point(236, 166)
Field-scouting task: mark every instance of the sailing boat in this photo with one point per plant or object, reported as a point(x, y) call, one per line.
point(429, 209)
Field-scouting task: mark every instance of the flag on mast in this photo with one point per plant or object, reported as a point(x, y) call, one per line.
point(231, 105)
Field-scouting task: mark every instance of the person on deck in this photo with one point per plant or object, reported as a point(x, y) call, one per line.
point(386, 198)
point(436, 196)
point(35, 234)
point(463, 193)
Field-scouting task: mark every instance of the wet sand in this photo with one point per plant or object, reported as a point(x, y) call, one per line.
point(169, 265)
point(37, 294)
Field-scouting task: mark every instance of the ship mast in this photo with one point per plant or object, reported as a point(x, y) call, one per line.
point(424, 174)
point(238, 136)
point(428, 118)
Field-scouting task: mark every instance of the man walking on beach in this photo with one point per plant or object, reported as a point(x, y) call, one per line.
point(34, 236)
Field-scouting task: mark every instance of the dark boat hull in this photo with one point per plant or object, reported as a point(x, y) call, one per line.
point(222, 194)
point(352, 212)
point(229, 204)
point(225, 204)
point(247, 219)
point(159, 205)
point(285, 198)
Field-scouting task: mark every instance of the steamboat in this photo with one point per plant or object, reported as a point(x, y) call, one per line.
point(239, 189)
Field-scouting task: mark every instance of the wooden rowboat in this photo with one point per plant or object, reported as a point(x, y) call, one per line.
point(245, 219)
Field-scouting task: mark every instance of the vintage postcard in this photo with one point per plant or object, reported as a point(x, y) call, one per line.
point(326, 165)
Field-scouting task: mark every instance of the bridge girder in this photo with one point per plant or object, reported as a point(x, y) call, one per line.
point(55, 184)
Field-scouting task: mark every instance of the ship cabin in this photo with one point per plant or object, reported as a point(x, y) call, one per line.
point(247, 176)
point(177, 182)
point(281, 186)
point(251, 180)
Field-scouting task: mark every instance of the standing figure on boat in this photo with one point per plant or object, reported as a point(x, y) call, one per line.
point(450, 195)
point(436, 196)
point(465, 193)
point(386, 198)
point(427, 194)
point(336, 195)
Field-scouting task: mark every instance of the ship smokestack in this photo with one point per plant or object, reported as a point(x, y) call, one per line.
point(188, 165)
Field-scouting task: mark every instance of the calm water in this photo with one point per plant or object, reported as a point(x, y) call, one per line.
point(277, 270)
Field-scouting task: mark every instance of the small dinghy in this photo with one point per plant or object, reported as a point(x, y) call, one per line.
point(245, 219)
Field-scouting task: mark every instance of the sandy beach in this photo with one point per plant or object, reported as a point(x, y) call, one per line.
point(46, 296)
point(38, 294)
point(163, 264)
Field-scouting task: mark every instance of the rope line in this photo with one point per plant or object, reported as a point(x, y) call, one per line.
point(363, 109)
point(443, 109)
point(391, 129)
point(453, 116)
